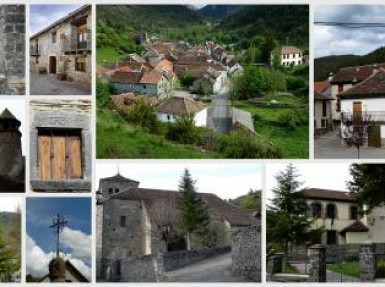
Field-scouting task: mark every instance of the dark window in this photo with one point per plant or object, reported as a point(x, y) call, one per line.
point(331, 237)
point(316, 210)
point(110, 191)
point(122, 221)
point(324, 108)
point(331, 211)
point(118, 270)
point(54, 36)
point(340, 88)
point(354, 212)
point(116, 190)
point(338, 105)
point(59, 154)
point(80, 64)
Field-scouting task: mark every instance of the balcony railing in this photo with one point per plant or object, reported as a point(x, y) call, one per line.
point(71, 43)
point(374, 116)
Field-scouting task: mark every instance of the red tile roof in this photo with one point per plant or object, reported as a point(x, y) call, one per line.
point(126, 77)
point(320, 96)
point(321, 86)
point(152, 77)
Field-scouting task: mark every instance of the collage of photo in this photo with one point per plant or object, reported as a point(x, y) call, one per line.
point(192, 142)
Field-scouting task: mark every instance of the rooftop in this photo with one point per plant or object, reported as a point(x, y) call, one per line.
point(328, 194)
point(179, 105)
point(355, 74)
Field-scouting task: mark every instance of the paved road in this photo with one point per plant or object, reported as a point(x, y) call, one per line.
point(47, 84)
point(328, 146)
point(215, 269)
point(218, 117)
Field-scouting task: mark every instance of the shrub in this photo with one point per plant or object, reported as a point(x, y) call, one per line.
point(144, 116)
point(183, 130)
point(295, 83)
point(293, 118)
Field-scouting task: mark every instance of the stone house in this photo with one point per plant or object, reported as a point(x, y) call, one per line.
point(172, 108)
point(60, 146)
point(64, 47)
point(12, 49)
point(322, 107)
point(132, 221)
point(12, 164)
point(340, 217)
point(367, 99)
point(288, 56)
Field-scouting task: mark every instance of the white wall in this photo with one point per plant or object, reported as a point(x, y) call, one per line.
point(200, 118)
point(318, 113)
point(356, 237)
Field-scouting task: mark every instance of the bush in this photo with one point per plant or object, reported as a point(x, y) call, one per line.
point(103, 93)
point(293, 118)
point(241, 144)
point(183, 130)
point(143, 115)
point(295, 83)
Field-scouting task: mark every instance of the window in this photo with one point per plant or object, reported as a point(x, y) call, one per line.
point(59, 154)
point(354, 212)
point(80, 64)
point(331, 211)
point(81, 32)
point(331, 237)
point(338, 105)
point(110, 191)
point(316, 210)
point(323, 123)
point(116, 190)
point(122, 221)
point(340, 88)
point(324, 103)
point(54, 36)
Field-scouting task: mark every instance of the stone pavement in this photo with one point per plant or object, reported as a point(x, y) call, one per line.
point(47, 84)
point(214, 269)
point(328, 146)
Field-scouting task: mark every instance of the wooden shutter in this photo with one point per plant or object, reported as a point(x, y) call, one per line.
point(44, 156)
point(75, 157)
point(59, 156)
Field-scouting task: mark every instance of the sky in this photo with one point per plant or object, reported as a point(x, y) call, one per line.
point(18, 109)
point(313, 175)
point(331, 40)
point(75, 240)
point(10, 203)
point(41, 16)
point(227, 180)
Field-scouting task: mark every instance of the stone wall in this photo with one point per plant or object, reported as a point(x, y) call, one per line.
point(176, 259)
point(12, 34)
point(139, 269)
point(246, 251)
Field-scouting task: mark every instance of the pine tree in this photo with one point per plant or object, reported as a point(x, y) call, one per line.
point(7, 256)
point(287, 221)
point(194, 217)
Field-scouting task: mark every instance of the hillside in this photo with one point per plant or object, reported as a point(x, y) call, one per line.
point(249, 202)
point(219, 12)
point(323, 66)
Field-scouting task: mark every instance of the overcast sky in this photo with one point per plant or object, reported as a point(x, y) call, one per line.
point(41, 16)
point(18, 109)
point(318, 175)
point(227, 180)
point(331, 40)
point(10, 203)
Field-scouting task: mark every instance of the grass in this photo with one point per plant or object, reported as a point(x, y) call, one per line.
point(380, 268)
point(119, 139)
point(294, 143)
point(107, 53)
point(351, 268)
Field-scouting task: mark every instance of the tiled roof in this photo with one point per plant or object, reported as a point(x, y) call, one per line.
point(374, 85)
point(179, 105)
point(152, 77)
point(321, 86)
point(287, 50)
point(356, 226)
point(126, 77)
point(127, 101)
point(134, 57)
point(327, 194)
point(117, 178)
point(320, 96)
point(355, 74)
point(216, 207)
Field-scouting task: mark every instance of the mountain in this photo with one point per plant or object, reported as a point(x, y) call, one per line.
point(219, 11)
point(331, 64)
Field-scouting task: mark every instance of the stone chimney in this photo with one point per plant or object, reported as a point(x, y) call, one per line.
point(57, 270)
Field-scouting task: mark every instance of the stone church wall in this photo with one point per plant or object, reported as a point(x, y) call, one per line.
point(246, 251)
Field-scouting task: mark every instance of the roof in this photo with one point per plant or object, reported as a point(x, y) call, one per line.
point(152, 77)
point(7, 115)
point(65, 18)
point(321, 86)
point(356, 226)
point(286, 50)
point(355, 74)
point(71, 269)
point(373, 86)
point(179, 106)
point(216, 207)
point(117, 178)
point(328, 194)
point(134, 57)
point(127, 101)
point(320, 96)
point(126, 77)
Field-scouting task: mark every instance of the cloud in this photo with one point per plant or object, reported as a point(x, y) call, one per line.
point(79, 242)
point(37, 260)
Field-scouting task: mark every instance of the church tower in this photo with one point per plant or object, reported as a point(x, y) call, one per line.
point(10, 145)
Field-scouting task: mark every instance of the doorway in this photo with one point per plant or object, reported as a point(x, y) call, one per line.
point(52, 64)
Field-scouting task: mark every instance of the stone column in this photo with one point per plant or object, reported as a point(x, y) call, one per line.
point(274, 264)
point(367, 263)
point(317, 263)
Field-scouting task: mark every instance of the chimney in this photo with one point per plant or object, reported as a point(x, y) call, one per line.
point(330, 78)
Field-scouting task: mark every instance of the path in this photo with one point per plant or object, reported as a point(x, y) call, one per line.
point(214, 269)
point(218, 117)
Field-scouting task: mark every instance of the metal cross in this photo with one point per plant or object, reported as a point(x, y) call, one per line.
point(58, 224)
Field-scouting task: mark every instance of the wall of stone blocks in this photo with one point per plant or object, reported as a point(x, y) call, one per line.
point(246, 251)
point(139, 269)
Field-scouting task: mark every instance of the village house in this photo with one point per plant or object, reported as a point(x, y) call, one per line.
point(367, 100)
point(341, 219)
point(322, 107)
point(64, 47)
point(126, 211)
point(288, 56)
point(172, 108)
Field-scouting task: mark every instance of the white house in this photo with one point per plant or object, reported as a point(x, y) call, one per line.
point(367, 99)
point(172, 108)
point(288, 56)
point(322, 107)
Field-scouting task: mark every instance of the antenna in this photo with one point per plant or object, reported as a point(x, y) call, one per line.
point(58, 224)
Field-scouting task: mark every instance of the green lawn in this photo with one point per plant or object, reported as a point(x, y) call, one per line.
point(107, 54)
point(294, 143)
point(347, 268)
point(119, 139)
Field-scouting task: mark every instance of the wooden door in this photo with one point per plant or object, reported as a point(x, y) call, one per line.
point(44, 153)
point(357, 108)
point(75, 157)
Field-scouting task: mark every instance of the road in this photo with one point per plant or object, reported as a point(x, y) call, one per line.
point(218, 117)
point(214, 269)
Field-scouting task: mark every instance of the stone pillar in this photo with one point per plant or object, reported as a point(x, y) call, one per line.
point(367, 263)
point(274, 264)
point(317, 263)
point(57, 270)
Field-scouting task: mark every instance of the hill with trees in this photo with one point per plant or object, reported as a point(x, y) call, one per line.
point(219, 11)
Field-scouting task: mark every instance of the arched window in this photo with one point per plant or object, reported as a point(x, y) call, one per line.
point(331, 211)
point(316, 210)
point(354, 212)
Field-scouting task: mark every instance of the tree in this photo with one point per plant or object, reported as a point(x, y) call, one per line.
point(287, 222)
point(356, 129)
point(194, 217)
point(8, 262)
point(183, 130)
point(143, 115)
point(368, 183)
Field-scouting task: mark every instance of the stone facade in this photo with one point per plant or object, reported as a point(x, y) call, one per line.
point(367, 263)
point(62, 117)
point(12, 47)
point(64, 48)
point(317, 263)
point(246, 251)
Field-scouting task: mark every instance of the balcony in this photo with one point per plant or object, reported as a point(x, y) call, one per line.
point(375, 116)
point(71, 43)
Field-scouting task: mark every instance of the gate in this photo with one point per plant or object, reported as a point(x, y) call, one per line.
point(343, 264)
point(380, 265)
point(374, 136)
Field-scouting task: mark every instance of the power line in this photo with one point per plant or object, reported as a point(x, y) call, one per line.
point(351, 25)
